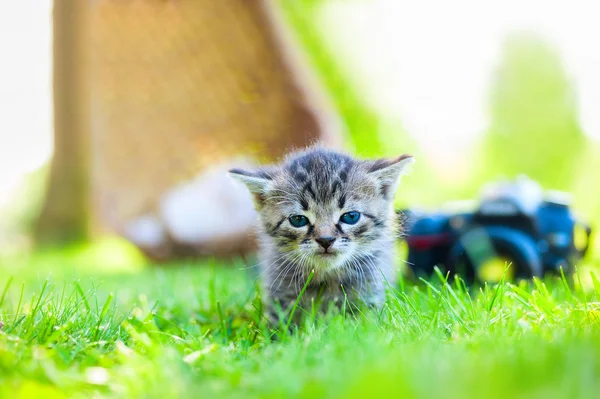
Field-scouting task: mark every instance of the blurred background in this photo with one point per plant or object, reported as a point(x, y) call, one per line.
point(119, 118)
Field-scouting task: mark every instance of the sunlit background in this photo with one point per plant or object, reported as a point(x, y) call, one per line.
point(26, 91)
point(428, 71)
point(128, 262)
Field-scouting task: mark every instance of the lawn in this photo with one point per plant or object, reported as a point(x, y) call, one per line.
point(75, 329)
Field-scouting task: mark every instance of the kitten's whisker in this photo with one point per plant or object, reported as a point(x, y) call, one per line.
point(267, 268)
point(283, 272)
point(299, 270)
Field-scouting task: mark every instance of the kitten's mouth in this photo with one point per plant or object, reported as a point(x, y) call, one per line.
point(329, 260)
point(328, 254)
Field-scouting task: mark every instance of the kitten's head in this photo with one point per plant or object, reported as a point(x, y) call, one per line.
point(323, 209)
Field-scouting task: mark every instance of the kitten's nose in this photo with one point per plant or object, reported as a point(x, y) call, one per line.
point(325, 242)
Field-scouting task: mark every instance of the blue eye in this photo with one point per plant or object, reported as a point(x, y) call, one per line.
point(298, 221)
point(350, 217)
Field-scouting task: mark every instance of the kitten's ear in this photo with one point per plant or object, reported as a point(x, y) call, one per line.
point(389, 171)
point(257, 182)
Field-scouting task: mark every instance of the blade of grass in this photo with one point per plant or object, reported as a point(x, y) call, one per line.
point(5, 291)
point(302, 291)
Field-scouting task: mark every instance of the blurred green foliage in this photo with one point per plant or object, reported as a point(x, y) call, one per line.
point(369, 133)
point(533, 122)
point(534, 128)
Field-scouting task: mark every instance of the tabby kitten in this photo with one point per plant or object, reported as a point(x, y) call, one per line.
point(329, 214)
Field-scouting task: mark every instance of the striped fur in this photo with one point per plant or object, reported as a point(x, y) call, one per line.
point(322, 185)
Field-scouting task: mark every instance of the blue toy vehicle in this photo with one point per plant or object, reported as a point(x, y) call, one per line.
point(516, 231)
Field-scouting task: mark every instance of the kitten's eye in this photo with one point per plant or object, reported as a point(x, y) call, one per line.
point(298, 221)
point(350, 217)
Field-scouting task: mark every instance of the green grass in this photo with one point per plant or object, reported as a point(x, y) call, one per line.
point(196, 331)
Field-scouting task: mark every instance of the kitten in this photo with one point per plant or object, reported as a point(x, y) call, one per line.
point(331, 215)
